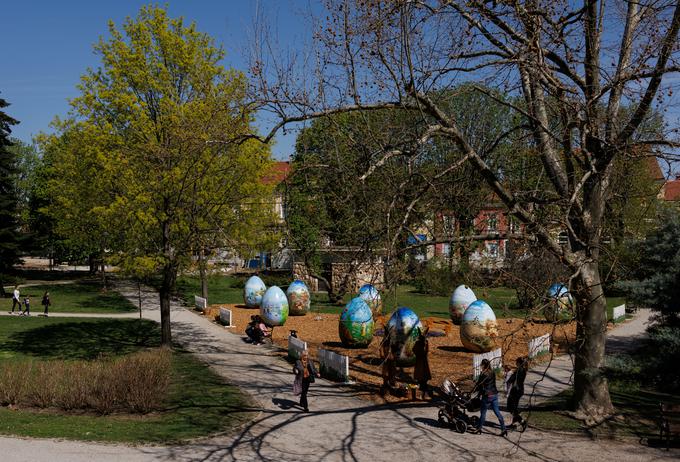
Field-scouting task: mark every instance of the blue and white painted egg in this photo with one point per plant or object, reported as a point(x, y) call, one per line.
point(559, 304)
point(356, 324)
point(253, 292)
point(478, 328)
point(274, 307)
point(298, 298)
point(371, 296)
point(459, 301)
point(403, 329)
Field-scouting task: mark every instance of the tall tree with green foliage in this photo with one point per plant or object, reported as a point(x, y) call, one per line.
point(9, 227)
point(342, 196)
point(146, 176)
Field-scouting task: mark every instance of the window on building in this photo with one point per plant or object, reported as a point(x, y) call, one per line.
point(446, 250)
point(492, 249)
point(492, 223)
point(449, 225)
point(514, 225)
point(563, 238)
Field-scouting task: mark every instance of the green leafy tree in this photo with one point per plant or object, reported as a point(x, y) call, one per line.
point(9, 227)
point(149, 182)
point(655, 279)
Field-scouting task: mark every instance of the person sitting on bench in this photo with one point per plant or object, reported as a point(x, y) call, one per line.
point(252, 328)
point(257, 330)
point(262, 331)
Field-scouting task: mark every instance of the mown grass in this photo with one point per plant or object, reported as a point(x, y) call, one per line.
point(83, 296)
point(221, 289)
point(503, 300)
point(199, 402)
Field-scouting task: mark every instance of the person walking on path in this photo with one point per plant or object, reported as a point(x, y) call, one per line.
point(46, 303)
point(421, 371)
point(27, 306)
point(516, 382)
point(305, 374)
point(486, 385)
point(16, 301)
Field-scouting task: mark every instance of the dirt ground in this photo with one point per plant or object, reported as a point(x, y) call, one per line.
point(448, 358)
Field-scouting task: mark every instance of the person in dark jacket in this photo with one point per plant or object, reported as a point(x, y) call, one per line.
point(421, 371)
point(486, 386)
point(516, 383)
point(305, 372)
point(46, 303)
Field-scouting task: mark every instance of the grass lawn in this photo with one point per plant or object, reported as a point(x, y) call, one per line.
point(431, 305)
point(221, 289)
point(199, 402)
point(82, 296)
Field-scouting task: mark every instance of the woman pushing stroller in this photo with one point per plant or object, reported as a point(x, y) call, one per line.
point(486, 386)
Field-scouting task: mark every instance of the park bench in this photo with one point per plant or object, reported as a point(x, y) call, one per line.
point(669, 421)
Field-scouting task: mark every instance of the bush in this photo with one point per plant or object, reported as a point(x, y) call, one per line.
point(437, 278)
point(530, 272)
point(13, 379)
point(662, 356)
point(134, 383)
point(143, 390)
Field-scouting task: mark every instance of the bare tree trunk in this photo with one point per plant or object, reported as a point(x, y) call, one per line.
point(202, 270)
point(139, 298)
point(591, 392)
point(169, 272)
point(92, 263)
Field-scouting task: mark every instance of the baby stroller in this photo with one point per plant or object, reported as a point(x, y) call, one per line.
point(454, 413)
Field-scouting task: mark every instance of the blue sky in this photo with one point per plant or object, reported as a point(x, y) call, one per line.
point(47, 46)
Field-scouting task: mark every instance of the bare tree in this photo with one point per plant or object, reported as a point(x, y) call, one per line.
point(572, 68)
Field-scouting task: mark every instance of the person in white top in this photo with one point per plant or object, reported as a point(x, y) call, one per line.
point(16, 301)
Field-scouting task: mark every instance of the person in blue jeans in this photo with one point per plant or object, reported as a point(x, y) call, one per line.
point(486, 385)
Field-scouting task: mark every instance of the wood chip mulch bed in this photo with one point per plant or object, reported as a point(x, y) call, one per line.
point(448, 358)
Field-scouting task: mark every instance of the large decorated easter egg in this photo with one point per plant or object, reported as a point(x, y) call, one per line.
point(298, 298)
point(274, 307)
point(403, 330)
point(459, 301)
point(253, 292)
point(356, 324)
point(559, 304)
point(371, 296)
point(478, 328)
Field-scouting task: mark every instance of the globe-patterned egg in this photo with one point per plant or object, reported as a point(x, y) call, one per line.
point(253, 292)
point(372, 297)
point(403, 329)
point(459, 301)
point(559, 304)
point(298, 298)
point(274, 307)
point(478, 328)
point(356, 324)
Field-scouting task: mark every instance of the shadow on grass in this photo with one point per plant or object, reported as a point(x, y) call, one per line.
point(50, 275)
point(85, 340)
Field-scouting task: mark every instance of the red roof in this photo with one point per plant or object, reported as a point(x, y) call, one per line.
point(671, 190)
point(278, 173)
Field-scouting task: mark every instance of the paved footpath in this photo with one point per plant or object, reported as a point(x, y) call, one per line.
point(340, 427)
point(547, 380)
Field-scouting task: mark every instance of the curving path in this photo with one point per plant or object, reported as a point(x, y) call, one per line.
point(340, 426)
